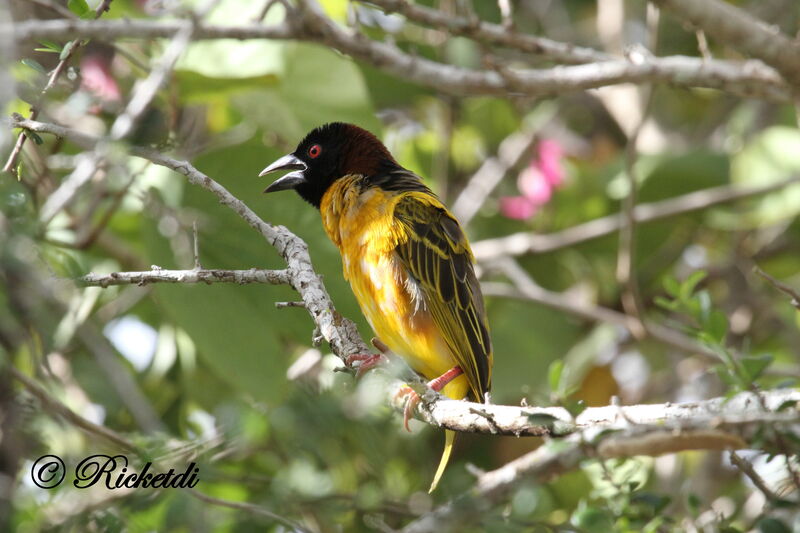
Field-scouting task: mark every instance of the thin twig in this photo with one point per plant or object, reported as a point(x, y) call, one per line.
point(511, 152)
point(781, 286)
point(200, 275)
point(748, 470)
point(626, 252)
point(51, 404)
point(248, 508)
point(525, 243)
point(526, 288)
point(196, 247)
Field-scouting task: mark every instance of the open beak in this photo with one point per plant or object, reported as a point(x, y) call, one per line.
point(290, 180)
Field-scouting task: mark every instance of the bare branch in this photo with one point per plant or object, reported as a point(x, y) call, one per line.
point(525, 243)
point(742, 31)
point(241, 277)
point(727, 424)
point(781, 286)
point(341, 333)
point(496, 34)
point(743, 78)
point(526, 421)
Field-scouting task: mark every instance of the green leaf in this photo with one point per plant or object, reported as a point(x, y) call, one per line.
point(769, 156)
point(690, 283)
point(592, 519)
point(717, 326)
point(542, 419)
point(35, 65)
point(772, 525)
point(788, 404)
point(672, 287)
point(79, 7)
point(702, 306)
point(693, 503)
point(754, 365)
point(726, 376)
point(32, 135)
point(657, 502)
point(554, 373)
point(66, 51)
point(46, 50)
point(576, 407)
point(670, 305)
point(50, 45)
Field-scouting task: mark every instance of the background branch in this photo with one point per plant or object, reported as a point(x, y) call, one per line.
point(742, 31)
point(525, 243)
point(748, 78)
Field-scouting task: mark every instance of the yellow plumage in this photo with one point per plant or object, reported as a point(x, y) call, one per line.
point(410, 268)
point(404, 254)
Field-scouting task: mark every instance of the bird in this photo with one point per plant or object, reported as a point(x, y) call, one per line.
point(405, 256)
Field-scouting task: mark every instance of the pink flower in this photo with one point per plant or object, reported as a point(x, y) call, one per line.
point(517, 207)
point(550, 155)
point(536, 182)
point(534, 185)
point(96, 76)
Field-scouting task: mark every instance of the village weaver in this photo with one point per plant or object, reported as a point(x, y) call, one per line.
point(405, 256)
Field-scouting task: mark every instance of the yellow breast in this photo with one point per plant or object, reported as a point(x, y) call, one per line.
point(362, 225)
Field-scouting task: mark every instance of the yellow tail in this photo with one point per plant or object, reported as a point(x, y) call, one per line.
point(449, 438)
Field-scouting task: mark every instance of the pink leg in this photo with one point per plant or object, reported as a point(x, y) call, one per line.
point(413, 399)
point(366, 361)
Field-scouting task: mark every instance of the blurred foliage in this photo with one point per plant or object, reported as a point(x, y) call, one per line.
point(235, 383)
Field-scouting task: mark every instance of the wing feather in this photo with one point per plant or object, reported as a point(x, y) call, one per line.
point(436, 254)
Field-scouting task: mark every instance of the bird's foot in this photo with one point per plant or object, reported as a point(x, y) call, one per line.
point(362, 362)
point(412, 399)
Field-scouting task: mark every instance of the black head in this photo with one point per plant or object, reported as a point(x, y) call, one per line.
point(326, 154)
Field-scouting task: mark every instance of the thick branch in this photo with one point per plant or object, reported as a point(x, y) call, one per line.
point(524, 243)
point(744, 78)
point(254, 275)
point(717, 424)
point(529, 421)
point(742, 31)
point(495, 34)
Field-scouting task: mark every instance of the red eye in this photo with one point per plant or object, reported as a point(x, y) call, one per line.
point(314, 151)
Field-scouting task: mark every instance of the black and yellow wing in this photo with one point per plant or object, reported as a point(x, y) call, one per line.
point(438, 257)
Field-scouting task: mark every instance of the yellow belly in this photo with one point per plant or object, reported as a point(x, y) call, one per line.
point(398, 318)
point(363, 228)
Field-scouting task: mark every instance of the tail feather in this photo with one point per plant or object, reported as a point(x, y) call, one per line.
point(449, 438)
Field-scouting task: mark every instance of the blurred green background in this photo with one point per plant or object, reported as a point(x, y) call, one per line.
point(211, 363)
